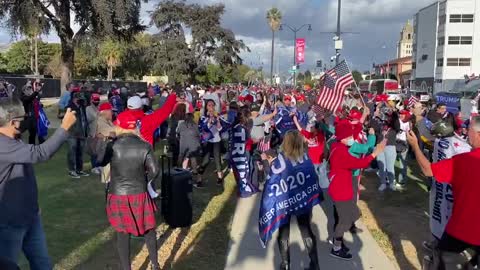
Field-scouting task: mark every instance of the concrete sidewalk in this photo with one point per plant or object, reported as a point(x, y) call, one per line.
point(245, 251)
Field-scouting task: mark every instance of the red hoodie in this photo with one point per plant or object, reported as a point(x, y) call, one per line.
point(342, 163)
point(149, 123)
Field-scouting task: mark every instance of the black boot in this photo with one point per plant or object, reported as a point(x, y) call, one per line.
point(311, 246)
point(283, 246)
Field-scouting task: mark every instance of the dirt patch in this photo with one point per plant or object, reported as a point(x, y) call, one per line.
point(397, 220)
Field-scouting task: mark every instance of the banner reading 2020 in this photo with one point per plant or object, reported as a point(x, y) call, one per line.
point(292, 189)
point(300, 50)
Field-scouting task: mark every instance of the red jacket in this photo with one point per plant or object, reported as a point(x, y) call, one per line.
point(342, 163)
point(149, 123)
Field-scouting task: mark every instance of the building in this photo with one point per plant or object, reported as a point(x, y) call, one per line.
point(446, 45)
point(396, 67)
point(405, 44)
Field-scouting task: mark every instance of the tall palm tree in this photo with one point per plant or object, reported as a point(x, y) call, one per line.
point(274, 18)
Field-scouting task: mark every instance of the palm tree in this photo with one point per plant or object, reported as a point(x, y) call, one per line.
point(274, 17)
point(111, 52)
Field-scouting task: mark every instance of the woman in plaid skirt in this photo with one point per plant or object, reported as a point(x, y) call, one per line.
point(130, 210)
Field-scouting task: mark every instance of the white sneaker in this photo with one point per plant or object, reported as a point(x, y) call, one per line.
point(392, 187)
point(96, 171)
point(382, 187)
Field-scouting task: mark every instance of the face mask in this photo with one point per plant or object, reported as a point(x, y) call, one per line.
point(350, 142)
point(22, 128)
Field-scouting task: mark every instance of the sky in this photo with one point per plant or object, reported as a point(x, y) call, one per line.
point(378, 23)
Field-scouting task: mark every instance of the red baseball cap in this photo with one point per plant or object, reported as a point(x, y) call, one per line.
point(127, 120)
point(355, 115)
point(106, 106)
point(95, 97)
point(381, 98)
point(406, 113)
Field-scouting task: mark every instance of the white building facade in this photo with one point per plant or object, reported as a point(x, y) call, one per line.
point(446, 45)
point(405, 44)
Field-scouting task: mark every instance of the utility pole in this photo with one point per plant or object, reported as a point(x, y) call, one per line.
point(36, 55)
point(271, 62)
point(295, 59)
point(339, 32)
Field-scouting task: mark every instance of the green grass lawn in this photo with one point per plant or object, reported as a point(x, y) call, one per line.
point(79, 235)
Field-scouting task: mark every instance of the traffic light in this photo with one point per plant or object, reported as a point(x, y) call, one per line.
point(319, 63)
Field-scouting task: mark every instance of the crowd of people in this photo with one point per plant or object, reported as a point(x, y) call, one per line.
point(250, 132)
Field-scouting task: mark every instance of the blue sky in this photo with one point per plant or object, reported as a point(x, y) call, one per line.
point(378, 21)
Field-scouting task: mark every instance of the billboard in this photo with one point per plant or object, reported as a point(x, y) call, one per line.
point(300, 50)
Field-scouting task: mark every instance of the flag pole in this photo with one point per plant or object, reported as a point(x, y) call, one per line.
point(356, 86)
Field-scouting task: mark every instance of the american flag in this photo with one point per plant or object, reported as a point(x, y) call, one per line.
point(471, 78)
point(334, 84)
point(264, 144)
point(412, 101)
point(319, 111)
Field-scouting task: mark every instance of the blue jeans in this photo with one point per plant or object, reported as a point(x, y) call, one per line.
point(30, 239)
point(386, 165)
point(75, 154)
point(402, 158)
point(93, 161)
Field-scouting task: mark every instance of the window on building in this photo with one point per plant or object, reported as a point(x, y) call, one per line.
point(467, 18)
point(454, 40)
point(464, 62)
point(441, 41)
point(457, 40)
point(409, 36)
point(458, 62)
point(455, 18)
point(466, 40)
point(461, 18)
point(440, 62)
point(414, 65)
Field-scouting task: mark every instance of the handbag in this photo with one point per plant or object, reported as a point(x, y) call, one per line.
point(91, 145)
point(323, 171)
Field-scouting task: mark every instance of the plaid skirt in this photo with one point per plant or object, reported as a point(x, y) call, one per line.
point(133, 214)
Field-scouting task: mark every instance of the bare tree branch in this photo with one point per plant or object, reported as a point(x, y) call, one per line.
point(80, 32)
point(38, 4)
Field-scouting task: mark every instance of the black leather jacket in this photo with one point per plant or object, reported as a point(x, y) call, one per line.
point(132, 164)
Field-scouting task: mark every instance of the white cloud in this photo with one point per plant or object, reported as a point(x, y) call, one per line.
point(378, 21)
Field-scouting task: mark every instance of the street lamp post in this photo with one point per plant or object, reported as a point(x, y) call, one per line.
point(339, 32)
point(295, 30)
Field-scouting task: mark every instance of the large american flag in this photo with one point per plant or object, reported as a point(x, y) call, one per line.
point(334, 83)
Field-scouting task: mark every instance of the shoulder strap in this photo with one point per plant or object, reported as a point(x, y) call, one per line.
point(330, 155)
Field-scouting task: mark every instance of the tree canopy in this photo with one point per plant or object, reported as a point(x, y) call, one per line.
point(210, 43)
point(274, 18)
point(18, 56)
point(116, 18)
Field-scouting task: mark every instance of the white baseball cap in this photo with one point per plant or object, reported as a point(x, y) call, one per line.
point(134, 103)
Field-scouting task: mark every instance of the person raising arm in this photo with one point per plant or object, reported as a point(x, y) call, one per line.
point(423, 162)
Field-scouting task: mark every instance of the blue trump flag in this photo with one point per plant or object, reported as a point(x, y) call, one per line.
point(292, 189)
point(42, 123)
point(240, 161)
